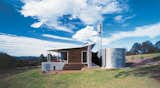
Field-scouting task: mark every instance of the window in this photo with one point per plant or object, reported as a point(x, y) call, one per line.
point(84, 56)
point(64, 55)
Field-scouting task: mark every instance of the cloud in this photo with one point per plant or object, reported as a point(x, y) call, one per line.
point(57, 37)
point(150, 31)
point(86, 34)
point(118, 18)
point(37, 24)
point(122, 19)
point(26, 46)
point(89, 12)
point(89, 34)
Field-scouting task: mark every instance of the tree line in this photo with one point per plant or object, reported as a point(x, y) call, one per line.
point(144, 48)
point(8, 62)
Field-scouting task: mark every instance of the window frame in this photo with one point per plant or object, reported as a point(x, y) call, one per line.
point(82, 57)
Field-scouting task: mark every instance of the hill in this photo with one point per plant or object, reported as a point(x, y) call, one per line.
point(27, 58)
point(7, 61)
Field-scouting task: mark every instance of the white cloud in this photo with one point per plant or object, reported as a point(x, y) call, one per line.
point(118, 18)
point(37, 24)
point(89, 33)
point(150, 31)
point(57, 37)
point(122, 19)
point(25, 46)
point(86, 34)
point(48, 11)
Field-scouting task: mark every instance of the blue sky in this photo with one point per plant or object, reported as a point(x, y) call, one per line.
point(30, 27)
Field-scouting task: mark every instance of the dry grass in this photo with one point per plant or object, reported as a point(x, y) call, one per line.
point(142, 56)
point(122, 78)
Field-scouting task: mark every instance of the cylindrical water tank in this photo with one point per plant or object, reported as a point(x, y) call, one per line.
point(113, 58)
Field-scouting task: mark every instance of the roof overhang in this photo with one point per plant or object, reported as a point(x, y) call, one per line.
point(78, 47)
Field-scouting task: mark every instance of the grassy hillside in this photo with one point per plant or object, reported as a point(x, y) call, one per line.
point(86, 79)
point(144, 76)
point(143, 56)
point(6, 61)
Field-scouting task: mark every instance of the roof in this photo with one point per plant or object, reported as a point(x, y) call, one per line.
point(58, 49)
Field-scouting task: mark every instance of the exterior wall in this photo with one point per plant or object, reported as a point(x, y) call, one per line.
point(50, 66)
point(74, 55)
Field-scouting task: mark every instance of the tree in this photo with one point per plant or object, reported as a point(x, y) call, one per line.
point(145, 47)
point(158, 44)
point(148, 47)
point(136, 48)
point(42, 58)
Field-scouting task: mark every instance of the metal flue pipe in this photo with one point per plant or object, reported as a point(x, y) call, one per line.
point(99, 30)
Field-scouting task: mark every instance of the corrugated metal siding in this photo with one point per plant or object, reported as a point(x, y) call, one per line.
point(113, 58)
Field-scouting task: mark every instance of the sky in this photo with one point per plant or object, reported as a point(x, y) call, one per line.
point(31, 27)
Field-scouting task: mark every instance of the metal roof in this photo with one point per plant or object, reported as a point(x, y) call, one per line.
point(57, 49)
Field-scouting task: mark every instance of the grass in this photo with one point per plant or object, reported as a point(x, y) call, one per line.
point(122, 78)
point(143, 56)
point(137, 77)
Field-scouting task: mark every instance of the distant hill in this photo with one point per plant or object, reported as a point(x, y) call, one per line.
point(27, 58)
point(7, 61)
point(145, 47)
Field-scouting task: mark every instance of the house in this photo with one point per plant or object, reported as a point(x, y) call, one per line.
point(74, 58)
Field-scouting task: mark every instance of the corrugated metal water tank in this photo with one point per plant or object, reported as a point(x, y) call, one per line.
point(113, 58)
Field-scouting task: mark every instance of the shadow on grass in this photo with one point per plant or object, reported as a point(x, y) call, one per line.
point(150, 70)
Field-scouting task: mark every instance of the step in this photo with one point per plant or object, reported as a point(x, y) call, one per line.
point(73, 66)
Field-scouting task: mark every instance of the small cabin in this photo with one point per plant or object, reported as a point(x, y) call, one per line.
point(79, 57)
point(74, 58)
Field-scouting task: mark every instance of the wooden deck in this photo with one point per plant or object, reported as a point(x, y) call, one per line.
point(74, 66)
